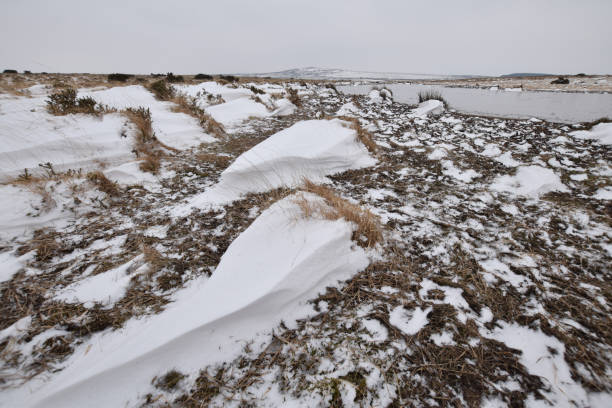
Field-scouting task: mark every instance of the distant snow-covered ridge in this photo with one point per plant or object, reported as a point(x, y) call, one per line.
point(331, 73)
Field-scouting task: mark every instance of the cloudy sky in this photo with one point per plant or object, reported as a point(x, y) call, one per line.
point(487, 37)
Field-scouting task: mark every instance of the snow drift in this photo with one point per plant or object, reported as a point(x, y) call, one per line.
point(601, 134)
point(174, 129)
point(430, 107)
point(266, 275)
point(310, 149)
point(31, 136)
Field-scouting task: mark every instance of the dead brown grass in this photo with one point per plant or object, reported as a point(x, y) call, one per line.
point(146, 144)
point(103, 183)
point(369, 231)
point(189, 106)
point(363, 135)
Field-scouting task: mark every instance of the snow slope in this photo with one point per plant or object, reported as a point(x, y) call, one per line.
point(601, 134)
point(309, 149)
point(30, 136)
point(266, 275)
point(174, 129)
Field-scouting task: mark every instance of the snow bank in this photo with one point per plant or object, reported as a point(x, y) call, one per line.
point(30, 136)
point(214, 88)
point(174, 129)
point(380, 95)
point(266, 275)
point(22, 210)
point(309, 149)
point(238, 105)
point(530, 181)
point(601, 134)
point(236, 111)
point(430, 107)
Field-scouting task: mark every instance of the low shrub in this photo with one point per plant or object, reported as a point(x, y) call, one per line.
point(161, 90)
point(203, 76)
point(170, 77)
point(431, 94)
point(228, 78)
point(119, 77)
point(256, 90)
point(560, 81)
point(65, 101)
point(10, 71)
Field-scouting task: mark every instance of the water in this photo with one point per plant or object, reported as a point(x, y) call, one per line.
point(564, 107)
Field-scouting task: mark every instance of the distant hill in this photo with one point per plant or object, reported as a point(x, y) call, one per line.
point(330, 73)
point(525, 74)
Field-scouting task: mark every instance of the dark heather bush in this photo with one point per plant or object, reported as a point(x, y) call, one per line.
point(162, 90)
point(10, 71)
point(65, 101)
point(119, 77)
point(256, 90)
point(170, 77)
point(203, 76)
point(228, 78)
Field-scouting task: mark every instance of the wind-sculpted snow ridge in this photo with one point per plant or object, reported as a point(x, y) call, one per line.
point(265, 276)
point(309, 149)
point(231, 106)
point(31, 136)
point(174, 129)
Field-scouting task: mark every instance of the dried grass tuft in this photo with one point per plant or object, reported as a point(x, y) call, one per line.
point(363, 135)
point(103, 183)
point(189, 106)
point(368, 232)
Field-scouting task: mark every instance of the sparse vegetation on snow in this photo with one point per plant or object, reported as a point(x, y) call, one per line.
point(254, 242)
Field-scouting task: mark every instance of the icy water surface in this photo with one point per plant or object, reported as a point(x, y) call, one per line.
point(562, 107)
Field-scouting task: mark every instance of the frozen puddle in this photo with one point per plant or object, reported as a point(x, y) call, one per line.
point(310, 149)
point(266, 275)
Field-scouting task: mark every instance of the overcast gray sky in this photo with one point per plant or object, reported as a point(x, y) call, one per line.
point(487, 37)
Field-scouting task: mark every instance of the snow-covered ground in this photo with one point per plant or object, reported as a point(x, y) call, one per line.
point(490, 286)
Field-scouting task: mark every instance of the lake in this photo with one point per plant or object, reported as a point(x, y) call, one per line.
point(564, 107)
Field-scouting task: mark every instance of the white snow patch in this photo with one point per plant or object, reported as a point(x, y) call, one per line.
point(463, 175)
point(507, 160)
point(409, 323)
point(430, 107)
point(601, 134)
point(529, 181)
point(105, 288)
